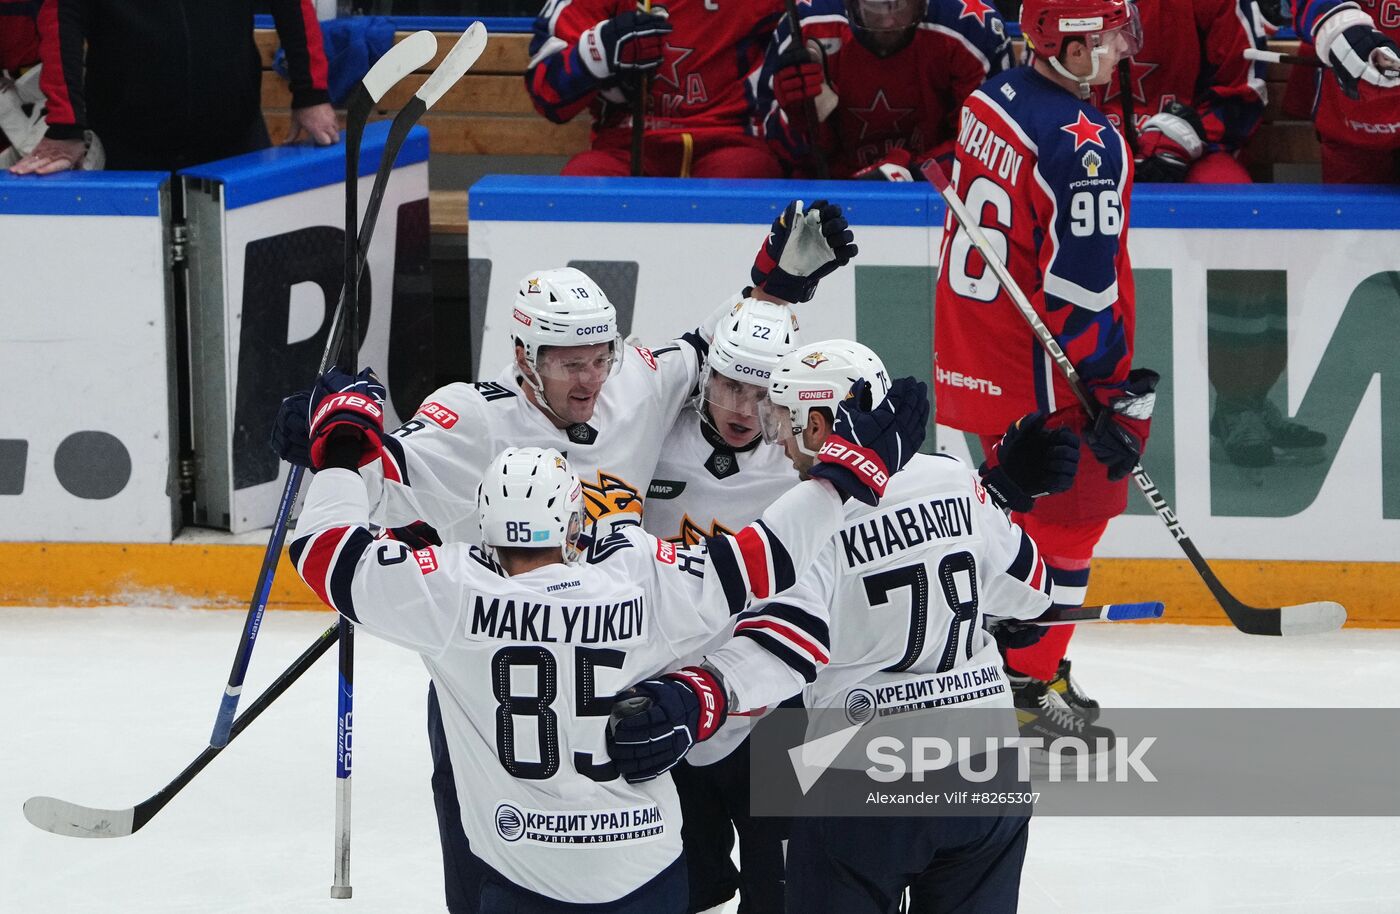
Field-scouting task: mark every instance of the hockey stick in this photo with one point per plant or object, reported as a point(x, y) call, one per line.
point(460, 59)
point(639, 113)
point(1109, 612)
point(1300, 61)
point(400, 60)
point(809, 106)
point(1302, 619)
point(73, 820)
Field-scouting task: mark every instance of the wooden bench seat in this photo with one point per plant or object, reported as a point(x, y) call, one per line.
point(489, 113)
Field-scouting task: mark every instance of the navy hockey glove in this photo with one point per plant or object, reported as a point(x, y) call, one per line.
point(631, 42)
point(291, 437)
point(866, 446)
point(803, 245)
point(1347, 40)
point(1012, 635)
point(1117, 435)
point(654, 723)
point(346, 424)
point(1170, 141)
point(1030, 461)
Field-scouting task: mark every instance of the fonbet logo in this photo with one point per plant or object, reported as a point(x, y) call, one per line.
point(815, 395)
point(510, 823)
point(521, 316)
point(666, 552)
point(426, 559)
point(439, 414)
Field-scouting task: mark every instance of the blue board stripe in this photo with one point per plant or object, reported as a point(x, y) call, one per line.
point(538, 198)
point(283, 170)
point(83, 193)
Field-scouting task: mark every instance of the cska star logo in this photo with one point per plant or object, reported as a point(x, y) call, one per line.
point(1085, 131)
point(610, 495)
point(813, 360)
point(693, 534)
point(976, 9)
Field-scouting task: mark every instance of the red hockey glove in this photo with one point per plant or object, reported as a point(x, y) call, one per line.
point(347, 419)
point(1170, 141)
point(897, 166)
point(799, 78)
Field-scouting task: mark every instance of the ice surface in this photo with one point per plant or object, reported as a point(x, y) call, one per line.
point(104, 706)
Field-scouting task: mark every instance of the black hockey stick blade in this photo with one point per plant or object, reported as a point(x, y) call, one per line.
point(75, 821)
point(1315, 618)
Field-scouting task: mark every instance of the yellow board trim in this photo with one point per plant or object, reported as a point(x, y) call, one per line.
point(217, 576)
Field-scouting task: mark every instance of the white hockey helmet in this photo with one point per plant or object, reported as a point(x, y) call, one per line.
point(563, 307)
point(530, 498)
point(817, 375)
point(748, 342)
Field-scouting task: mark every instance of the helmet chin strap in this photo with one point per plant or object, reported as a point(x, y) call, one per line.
point(532, 380)
point(1085, 82)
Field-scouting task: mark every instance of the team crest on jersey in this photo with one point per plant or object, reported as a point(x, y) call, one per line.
point(692, 534)
point(610, 495)
point(582, 433)
point(1091, 162)
point(1084, 131)
point(812, 360)
point(647, 356)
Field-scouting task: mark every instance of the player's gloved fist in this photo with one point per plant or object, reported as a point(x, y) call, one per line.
point(1117, 434)
point(291, 436)
point(867, 445)
point(1030, 461)
point(799, 78)
point(1171, 140)
point(1012, 635)
point(893, 167)
point(803, 245)
point(418, 535)
point(1348, 41)
point(654, 723)
point(346, 424)
point(630, 42)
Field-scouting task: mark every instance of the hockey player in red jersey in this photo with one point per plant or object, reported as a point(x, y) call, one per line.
point(1357, 113)
point(1049, 178)
point(592, 53)
point(1193, 97)
point(887, 78)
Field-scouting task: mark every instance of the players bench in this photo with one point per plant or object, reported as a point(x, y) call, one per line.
point(488, 113)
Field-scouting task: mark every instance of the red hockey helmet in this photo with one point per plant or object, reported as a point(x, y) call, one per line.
point(1046, 24)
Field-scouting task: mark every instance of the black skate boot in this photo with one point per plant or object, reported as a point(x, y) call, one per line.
point(1074, 696)
point(1042, 713)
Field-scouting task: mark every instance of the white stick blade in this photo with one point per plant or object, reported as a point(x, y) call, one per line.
point(402, 59)
point(1312, 618)
point(74, 821)
point(458, 61)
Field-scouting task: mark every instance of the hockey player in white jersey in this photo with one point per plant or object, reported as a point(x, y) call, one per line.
point(528, 647)
point(715, 475)
point(904, 587)
point(572, 384)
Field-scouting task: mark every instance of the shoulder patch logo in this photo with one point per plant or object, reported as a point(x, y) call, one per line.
point(665, 552)
point(426, 559)
point(1091, 162)
point(1009, 92)
point(610, 495)
point(647, 356)
point(439, 414)
point(492, 390)
point(812, 360)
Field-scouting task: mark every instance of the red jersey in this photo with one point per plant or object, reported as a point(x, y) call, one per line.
point(908, 100)
point(712, 48)
point(19, 36)
point(1193, 53)
point(1373, 120)
point(1048, 178)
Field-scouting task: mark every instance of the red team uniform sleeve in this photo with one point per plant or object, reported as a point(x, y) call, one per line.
point(559, 84)
point(300, 35)
point(62, 28)
point(1231, 104)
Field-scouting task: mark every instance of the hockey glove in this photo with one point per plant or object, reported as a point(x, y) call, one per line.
point(654, 723)
point(1170, 141)
point(1012, 635)
point(799, 79)
point(1030, 461)
point(893, 167)
point(631, 42)
point(1117, 434)
point(803, 245)
point(418, 535)
point(291, 437)
point(346, 424)
point(1348, 41)
point(866, 446)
